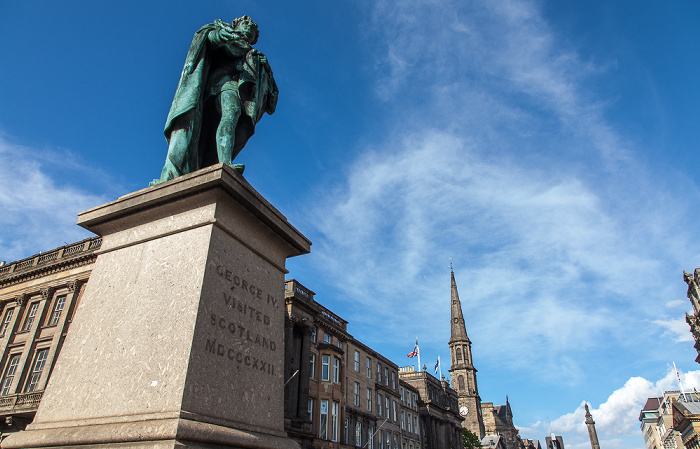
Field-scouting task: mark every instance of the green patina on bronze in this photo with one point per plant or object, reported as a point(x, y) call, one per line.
point(225, 88)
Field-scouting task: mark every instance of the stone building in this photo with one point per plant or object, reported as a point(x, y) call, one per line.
point(694, 297)
point(686, 421)
point(315, 365)
point(498, 420)
point(410, 427)
point(340, 392)
point(39, 296)
point(554, 442)
point(657, 420)
point(375, 410)
point(531, 444)
point(493, 442)
point(649, 417)
point(440, 421)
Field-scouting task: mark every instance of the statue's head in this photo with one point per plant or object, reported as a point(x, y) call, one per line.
point(246, 26)
point(687, 277)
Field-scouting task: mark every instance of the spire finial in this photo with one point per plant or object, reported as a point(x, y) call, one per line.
point(451, 269)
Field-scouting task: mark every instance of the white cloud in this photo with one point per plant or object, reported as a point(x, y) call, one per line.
point(676, 328)
point(39, 200)
point(616, 419)
point(676, 303)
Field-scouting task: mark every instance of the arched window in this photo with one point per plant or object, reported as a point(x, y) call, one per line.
point(460, 380)
point(459, 354)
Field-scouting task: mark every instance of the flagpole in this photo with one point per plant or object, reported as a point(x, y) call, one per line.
point(419, 365)
point(679, 381)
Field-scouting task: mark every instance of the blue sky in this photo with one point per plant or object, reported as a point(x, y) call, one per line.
point(549, 148)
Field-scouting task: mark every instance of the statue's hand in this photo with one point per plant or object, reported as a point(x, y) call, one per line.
point(227, 35)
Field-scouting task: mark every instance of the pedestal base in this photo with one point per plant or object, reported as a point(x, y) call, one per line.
point(149, 434)
point(179, 338)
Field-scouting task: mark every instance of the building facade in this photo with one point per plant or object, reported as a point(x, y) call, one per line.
point(498, 420)
point(410, 427)
point(340, 392)
point(315, 367)
point(438, 410)
point(554, 442)
point(39, 296)
point(649, 417)
point(686, 421)
point(657, 420)
point(694, 297)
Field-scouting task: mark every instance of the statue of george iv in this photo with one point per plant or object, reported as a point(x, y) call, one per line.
point(225, 88)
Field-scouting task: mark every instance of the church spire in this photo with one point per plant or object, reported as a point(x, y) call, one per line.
point(462, 372)
point(591, 429)
point(459, 330)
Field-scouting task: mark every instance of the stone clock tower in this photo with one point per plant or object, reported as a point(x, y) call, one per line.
point(463, 373)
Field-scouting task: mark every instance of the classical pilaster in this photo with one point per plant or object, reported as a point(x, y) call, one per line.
point(304, 372)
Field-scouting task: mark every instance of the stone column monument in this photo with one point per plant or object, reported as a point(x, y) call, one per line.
point(591, 429)
point(178, 341)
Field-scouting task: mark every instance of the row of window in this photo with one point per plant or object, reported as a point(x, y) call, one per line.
point(34, 375)
point(325, 367)
point(32, 309)
point(327, 338)
point(328, 428)
point(384, 401)
point(408, 398)
point(385, 439)
point(409, 421)
point(323, 427)
point(389, 378)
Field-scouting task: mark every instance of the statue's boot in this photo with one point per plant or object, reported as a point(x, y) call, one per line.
point(238, 167)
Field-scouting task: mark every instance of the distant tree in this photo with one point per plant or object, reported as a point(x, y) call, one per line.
point(470, 440)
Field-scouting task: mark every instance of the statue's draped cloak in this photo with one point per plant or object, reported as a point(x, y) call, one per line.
point(256, 87)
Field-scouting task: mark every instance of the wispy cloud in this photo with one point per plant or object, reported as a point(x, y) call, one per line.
point(540, 251)
point(500, 156)
point(39, 200)
point(676, 328)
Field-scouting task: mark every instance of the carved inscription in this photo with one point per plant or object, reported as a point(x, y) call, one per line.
point(244, 319)
point(242, 284)
point(242, 333)
point(233, 302)
point(239, 357)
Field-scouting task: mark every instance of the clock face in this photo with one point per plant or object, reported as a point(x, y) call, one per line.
point(463, 410)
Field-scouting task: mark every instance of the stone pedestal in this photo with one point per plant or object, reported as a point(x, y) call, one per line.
point(179, 338)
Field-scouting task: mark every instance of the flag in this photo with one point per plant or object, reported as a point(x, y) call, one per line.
point(437, 365)
point(696, 393)
point(415, 351)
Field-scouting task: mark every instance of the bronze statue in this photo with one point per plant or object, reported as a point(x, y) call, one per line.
point(225, 88)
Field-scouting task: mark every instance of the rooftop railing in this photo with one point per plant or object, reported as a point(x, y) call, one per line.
point(63, 252)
